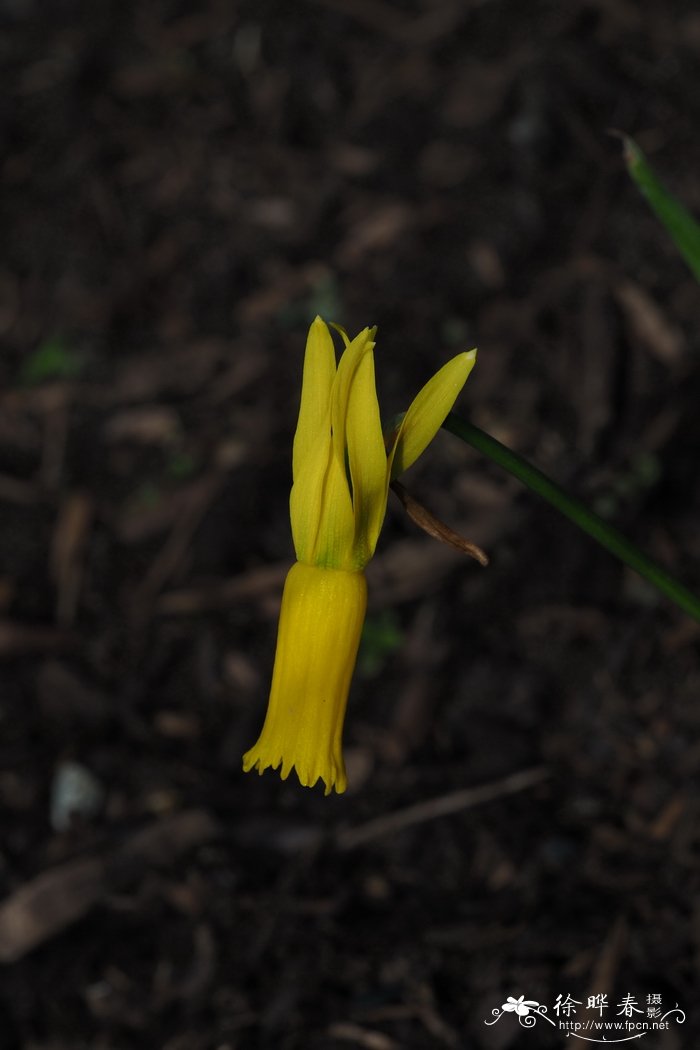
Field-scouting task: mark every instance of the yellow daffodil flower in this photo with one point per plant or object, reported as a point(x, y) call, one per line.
point(341, 475)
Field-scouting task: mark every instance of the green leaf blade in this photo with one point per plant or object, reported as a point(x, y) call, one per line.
point(681, 226)
point(577, 512)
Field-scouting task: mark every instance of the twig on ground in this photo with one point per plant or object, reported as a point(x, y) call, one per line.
point(442, 806)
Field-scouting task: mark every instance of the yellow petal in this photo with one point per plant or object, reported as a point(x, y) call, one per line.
point(317, 383)
point(306, 497)
point(319, 633)
point(336, 529)
point(345, 376)
point(427, 412)
point(341, 332)
point(367, 458)
point(335, 536)
point(321, 508)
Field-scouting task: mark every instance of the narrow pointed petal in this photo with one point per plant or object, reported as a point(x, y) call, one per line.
point(336, 529)
point(323, 523)
point(336, 524)
point(306, 497)
point(319, 374)
point(345, 376)
point(341, 332)
point(427, 412)
point(367, 458)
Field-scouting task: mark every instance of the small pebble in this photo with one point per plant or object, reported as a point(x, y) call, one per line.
point(75, 792)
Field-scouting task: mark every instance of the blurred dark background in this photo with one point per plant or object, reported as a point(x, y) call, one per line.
point(183, 188)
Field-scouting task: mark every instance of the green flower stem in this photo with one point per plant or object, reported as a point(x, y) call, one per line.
point(606, 535)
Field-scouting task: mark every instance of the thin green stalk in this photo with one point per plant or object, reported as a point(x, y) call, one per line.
point(680, 224)
point(606, 535)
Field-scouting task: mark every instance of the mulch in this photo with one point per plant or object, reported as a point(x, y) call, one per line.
point(184, 188)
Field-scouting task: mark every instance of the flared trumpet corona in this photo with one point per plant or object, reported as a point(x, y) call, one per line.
point(341, 475)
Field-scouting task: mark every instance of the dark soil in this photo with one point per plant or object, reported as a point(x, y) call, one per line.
point(184, 187)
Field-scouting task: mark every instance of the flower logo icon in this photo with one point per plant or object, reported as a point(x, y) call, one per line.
point(520, 1006)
